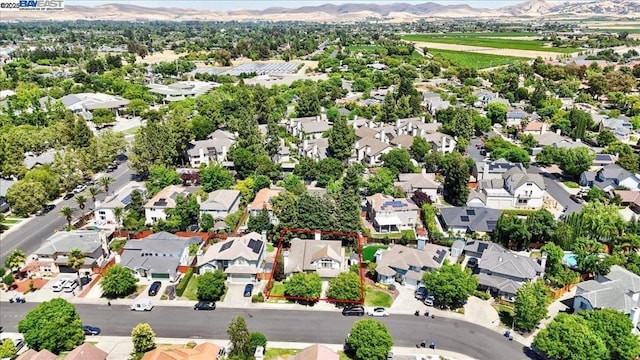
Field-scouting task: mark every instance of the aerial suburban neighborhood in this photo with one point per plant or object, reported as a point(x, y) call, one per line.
point(349, 180)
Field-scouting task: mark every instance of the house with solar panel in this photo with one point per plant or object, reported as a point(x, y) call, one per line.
point(155, 208)
point(388, 214)
point(407, 265)
point(467, 220)
point(239, 257)
point(104, 210)
point(610, 177)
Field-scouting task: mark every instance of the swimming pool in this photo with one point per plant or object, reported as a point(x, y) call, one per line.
point(570, 259)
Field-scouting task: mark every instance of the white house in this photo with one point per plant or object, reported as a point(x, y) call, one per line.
point(239, 257)
point(213, 149)
point(325, 257)
point(308, 127)
point(221, 203)
point(154, 209)
point(516, 189)
point(104, 211)
point(370, 150)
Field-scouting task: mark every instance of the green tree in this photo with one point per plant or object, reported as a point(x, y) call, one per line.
point(381, 182)
point(455, 182)
point(346, 286)
point(531, 305)
point(615, 329)
point(257, 339)
point(398, 161)
point(160, 177)
point(580, 122)
point(307, 285)
point(370, 340)
point(207, 222)
point(308, 103)
point(341, 139)
point(15, 259)
point(511, 231)
point(419, 148)
point(185, 213)
point(153, 145)
point(82, 135)
point(53, 325)
point(605, 138)
point(260, 222)
point(215, 177)
point(541, 225)
point(45, 176)
point(278, 274)
point(137, 106)
point(118, 282)
point(7, 349)
point(118, 213)
point(497, 112)
point(240, 339)
point(329, 170)
point(94, 191)
point(105, 181)
point(569, 337)
point(81, 200)
point(450, 284)
point(211, 285)
point(143, 338)
point(589, 257)
point(103, 117)
point(75, 260)
point(575, 161)
point(26, 197)
point(67, 212)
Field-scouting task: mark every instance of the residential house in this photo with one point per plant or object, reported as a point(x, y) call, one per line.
point(489, 170)
point(554, 139)
point(206, 350)
point(315, 149)
point(475, 248)
point(160, 256)
point(221, 203)
point(313, 352)
point(515, 117)
point(619, 290)
point(461, 220)
point(621, 127)
point(388, 214)
point(534, 128)
point(213, 149)
point(416, 126)
point(31, 354)
point(5, 184)
point(435, 104)
point(86, 351)
point(155, 208)
point(263, 201)
point(407, 265)
point(33, 160)
point(239, 257)
point(181, 90)
point(516, 189)
point(630, 199)
point(485, 97)
point(104, 210)
point(325, 257)
point(441, 142)
point(84, 103)
point(403, 141)
point(370, 150)
point(503, 272)
point(52, 256)
point(424, 182)
point(308, 127)
point(610, 177)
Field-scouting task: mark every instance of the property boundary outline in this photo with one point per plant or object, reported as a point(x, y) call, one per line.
point(358, 241)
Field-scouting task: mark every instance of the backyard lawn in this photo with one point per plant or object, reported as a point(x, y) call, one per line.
point(369, 251)
point(376, 298)
point(191, 292)
point(571, 184)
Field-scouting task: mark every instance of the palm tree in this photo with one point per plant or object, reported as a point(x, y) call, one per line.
point(94, 191)
point(81, 200)
point(15, 259)
point(105, 181)
point(118, 212)
point(68, 212)
point(75, 260)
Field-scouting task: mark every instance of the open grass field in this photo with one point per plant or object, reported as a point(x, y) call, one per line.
point(476, 60)
point(482, 40)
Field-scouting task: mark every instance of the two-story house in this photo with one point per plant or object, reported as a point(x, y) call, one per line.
point(621, 127)
point(515, 117)
point(619, 290)
point(160, 256)
point(467, 220)
point(503, 272)
point(155, 208)
point(221, 203)
point(424, 182)
point(407, 265)
point(104, 210)
point(388, 214)
point(610, 177)
point(369, 150)
point(263, 201)
point(325, 257)
point(239, 257)
point(308, 127)
point(52, 256)
point(516, 189)
point(315, 149)
point(488, 170)
point(213, 149)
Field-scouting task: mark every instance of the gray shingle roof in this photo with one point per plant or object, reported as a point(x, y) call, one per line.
point(399, 257)
point(303, 252)
point(472, 218)
point(220, 200)
point(158, 253)
point(87, 241)
point(506, 263)
point(613, 291)
point(235, 247)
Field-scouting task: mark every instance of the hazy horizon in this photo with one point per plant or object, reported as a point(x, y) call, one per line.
point(260, 5)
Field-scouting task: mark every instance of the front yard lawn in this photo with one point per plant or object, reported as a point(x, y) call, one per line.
point(273, 353)
point(377, 298)
point(191, 292)
point(369, 251)
point(506, 314)
point(571, 184)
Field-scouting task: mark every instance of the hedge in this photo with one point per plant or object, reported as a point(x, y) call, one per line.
point(184, 282)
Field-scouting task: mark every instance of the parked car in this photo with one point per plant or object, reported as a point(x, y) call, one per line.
point(420, 293)
point(379, 311)
point(248, 290)
point(353, 310)
point(91, 330)
point(154, 288)
point(80, 188)
point(70, 286)
point(68, 196)
point(59, 285)
point(45, 209)
point(204, 305)
point(142, 305)
point(428, 301)
point(576, 199)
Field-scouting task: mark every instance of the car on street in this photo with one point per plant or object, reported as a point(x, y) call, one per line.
point(91, 330)
point(80, 188)
point(68, 196)
point(248, 290)
point(379, 312)
point(154, 288)
point(353, 310)
point(204, 305)
point(45, 209)
point(142, 305)
point(576, 199)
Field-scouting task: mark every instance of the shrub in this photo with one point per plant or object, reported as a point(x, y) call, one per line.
point(7, 279)
point(392, 287)
point(190, 345)
point(184, 282)
point(2, 271)
point(117, 245)
point(258, 298)
point(482, 295)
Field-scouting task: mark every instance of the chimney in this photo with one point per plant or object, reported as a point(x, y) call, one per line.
point(421, 242)
point(558, 131)
point(305, 144)
point(259, 355)
point(634, 314)
point(317, 235)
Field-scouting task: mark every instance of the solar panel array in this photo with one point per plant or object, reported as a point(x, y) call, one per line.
point(471, 212)
point(440, 254)
point(161, 202)
point(255, 245)
point(226, 245)
point(126, 200)
point(394, 203)
point(263, 69)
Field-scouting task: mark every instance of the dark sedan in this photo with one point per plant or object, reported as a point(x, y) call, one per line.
point(68, 196)
point(204, 305)
point(91, 330)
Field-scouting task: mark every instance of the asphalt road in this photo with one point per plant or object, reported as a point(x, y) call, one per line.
point(556, 191)
point(292, 326)
point(30, 236)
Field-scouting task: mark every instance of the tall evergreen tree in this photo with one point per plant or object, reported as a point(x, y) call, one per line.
point(341, 139)
point(455, 182)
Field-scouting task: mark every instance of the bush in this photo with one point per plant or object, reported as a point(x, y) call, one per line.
point(392, 287)
point(117, 245)
point(7, 279)
point(482, 295)
point(2, 271)
point(258, 298)
point(190, 345)
point(184, 282)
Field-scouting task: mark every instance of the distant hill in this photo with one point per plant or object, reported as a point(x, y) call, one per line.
point(339, 13)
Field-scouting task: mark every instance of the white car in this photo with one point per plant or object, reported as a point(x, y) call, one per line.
point(80, 188)
point(379, 311)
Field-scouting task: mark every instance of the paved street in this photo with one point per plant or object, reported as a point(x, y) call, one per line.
point(556, 191)
point(30, 235)
point(292, 326)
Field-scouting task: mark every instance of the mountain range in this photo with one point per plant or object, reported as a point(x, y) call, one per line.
point(340, 13)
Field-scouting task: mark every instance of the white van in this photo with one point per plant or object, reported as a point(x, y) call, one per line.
point(142, 305)
point(70, 286)
point(59, 285)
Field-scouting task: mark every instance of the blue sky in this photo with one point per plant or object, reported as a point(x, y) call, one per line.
point(263, 4)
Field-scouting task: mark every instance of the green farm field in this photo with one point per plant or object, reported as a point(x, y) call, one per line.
point(491, 41)
point(475, 60)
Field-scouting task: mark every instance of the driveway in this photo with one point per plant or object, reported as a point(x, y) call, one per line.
point(556, 191)
point(480, 312)
point(406, 303)
point(235, 295)
point(47, 293)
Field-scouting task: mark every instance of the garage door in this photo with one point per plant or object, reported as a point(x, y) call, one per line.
point(159, 276)
point(66, 270)
point(241, 278)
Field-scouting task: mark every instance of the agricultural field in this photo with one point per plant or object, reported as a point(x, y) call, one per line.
point(475, 60)
point(489, 40)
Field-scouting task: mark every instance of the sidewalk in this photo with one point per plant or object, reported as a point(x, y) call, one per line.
point(120, 347)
